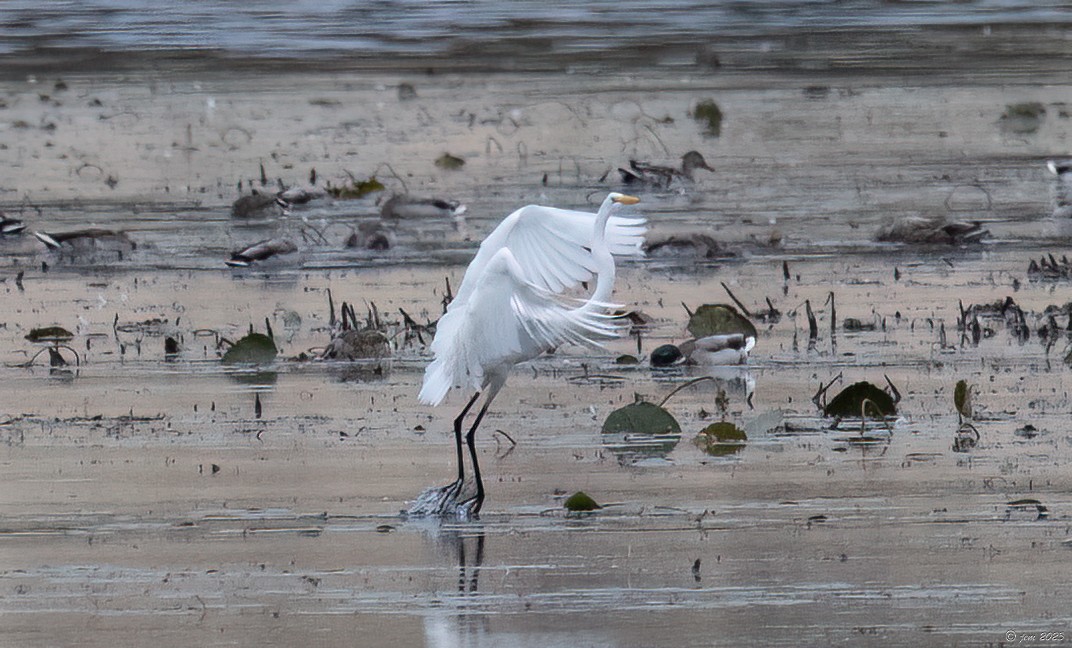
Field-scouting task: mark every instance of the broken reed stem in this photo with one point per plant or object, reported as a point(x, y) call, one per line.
point(683, 386)
point(744, 309)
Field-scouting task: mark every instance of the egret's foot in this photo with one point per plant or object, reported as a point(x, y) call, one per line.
point(452, 500)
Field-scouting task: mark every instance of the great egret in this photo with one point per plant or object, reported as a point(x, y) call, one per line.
point(508, 310)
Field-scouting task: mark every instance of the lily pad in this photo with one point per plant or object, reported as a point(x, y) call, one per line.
point(709, 114)
point(719, 319)
point(255, 348)
point(641, 417)
point(850, 402)
point(1022, 118)
point(580, 502)
point(49, 334)
point(449, 162)
point(721, 439)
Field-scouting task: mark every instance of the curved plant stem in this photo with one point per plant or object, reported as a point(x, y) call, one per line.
point(683, 386)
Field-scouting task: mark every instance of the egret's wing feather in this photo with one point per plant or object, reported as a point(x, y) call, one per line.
point(551, 245)
point(549, 322)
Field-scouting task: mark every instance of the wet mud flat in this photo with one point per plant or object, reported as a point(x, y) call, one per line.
point(147, 498)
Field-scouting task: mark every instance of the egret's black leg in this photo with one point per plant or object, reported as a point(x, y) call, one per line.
point(469, 440)
point(458, 435)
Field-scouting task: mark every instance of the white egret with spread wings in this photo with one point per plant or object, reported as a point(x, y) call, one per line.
point(510, 308)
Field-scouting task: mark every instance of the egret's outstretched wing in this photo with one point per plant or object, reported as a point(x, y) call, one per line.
point(551, 246)
point(506, 319)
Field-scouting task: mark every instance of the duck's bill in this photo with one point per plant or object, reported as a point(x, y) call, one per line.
point(627, 200)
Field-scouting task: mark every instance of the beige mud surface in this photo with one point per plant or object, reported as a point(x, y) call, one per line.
point(143, 502)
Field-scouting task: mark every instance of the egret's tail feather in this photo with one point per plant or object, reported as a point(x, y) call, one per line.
point(437, 382)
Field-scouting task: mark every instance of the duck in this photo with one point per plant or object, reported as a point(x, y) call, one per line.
point(260, 251)
point(935, 229)
point(9, 226)
point(301, 195)
point(259, 205)
point(371, 235)
point(663, 177)
point(712, 350)
point(88, 237)
point(691, 246)
point(1062, 189)
point(401, 206)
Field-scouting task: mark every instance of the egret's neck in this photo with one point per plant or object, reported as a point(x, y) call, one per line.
point(604, 261)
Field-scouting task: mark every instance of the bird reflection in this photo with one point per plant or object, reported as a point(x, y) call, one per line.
point(459, 621)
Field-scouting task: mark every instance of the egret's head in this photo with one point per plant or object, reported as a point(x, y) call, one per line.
point(623, 199)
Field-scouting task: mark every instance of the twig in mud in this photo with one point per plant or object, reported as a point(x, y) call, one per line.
point(447, 296)
point(319, 234)
point(813, 326)
point(405, 189)
point(821, 394)
point(833, 315)
point(744, 309)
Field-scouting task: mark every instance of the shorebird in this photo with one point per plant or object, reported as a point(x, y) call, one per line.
point(508, 310)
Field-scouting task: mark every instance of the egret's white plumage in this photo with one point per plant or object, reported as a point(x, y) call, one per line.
point(506, 310)
point(509, 308)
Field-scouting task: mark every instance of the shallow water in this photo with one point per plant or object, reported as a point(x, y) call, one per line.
point(146, 498)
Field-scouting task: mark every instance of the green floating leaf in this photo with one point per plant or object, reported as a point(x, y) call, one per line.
point(719, 319)
point(641, 417)
point(1022, 118)
point(255, 348)
point(356, 189)
point(962, 398)
point(580, 502)
point(449, 162)
point(721, 439)
point(709, 114)
point(626, 359)
point(49, 334)
point(851, 402)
